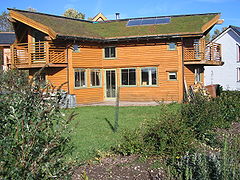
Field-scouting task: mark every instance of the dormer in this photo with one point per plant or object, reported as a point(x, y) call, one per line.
point(99, 17)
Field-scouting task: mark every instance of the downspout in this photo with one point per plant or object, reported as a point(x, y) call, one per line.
point(68, 73)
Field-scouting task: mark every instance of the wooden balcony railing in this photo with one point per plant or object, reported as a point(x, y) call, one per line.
point(211, 53)
point(38, 53)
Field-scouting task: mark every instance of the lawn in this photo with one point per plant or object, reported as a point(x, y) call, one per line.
point(92, 132)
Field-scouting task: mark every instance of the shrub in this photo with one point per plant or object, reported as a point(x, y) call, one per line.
point(221, 165)
point(166, 135)
point(203, 115)
point(34, 137)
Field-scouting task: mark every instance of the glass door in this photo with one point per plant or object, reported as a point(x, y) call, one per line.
point(110, 89)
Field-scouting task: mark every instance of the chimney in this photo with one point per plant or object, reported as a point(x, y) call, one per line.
point(117, 16)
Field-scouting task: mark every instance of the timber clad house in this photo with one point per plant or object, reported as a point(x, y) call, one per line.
point(155, 58)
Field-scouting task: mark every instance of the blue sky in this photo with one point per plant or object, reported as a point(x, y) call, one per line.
point(133, 8)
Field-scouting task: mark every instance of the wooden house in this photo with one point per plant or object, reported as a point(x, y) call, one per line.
point(147, 59)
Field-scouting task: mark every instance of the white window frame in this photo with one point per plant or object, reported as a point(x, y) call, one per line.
point(85, 78)
point(238, 74)
point(104, 49)
point(238, 52)
point(172, 73)
point(149, 76)
point(128, 77)
point(100, 77)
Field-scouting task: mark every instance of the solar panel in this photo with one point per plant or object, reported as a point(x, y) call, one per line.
point(162, 20)
point(150, 21)
point(134, 22)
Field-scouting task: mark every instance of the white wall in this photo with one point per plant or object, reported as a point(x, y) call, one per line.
point(225, 75)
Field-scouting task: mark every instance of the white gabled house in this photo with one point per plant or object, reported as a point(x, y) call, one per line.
point(228, 75)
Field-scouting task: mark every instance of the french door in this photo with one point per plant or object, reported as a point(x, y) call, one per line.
point(111, 84)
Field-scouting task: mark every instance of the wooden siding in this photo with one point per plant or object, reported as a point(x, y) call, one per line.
point(55, 76)
point(154, 55)
point(189, 74)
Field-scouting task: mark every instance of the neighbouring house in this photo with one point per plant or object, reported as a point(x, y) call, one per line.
point(146, 59)
point(228, 75)
point(6, 39)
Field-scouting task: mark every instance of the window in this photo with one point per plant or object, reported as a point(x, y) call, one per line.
point(95, 77)
point(238, 53)
point(76, 48)
point(128, 77)
point(110, 52)
point(172, 46)
point(172, 75)
point(149, 76)
point(197, 75)
point(238, 74)
point(80, 77)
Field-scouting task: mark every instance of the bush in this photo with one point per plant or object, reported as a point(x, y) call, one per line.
point(167, 135)
point(203, 115)
point(221, 165)
point(34, 137)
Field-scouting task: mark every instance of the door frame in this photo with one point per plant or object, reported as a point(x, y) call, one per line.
point(105, 82)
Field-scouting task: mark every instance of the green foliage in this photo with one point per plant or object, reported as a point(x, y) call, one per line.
point(5, 25)
point(73, 13)
point(34, 136)
point(202, 115)
point(221, 165)
point(166, 135)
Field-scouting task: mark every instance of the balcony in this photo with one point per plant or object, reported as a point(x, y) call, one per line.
point(38, 54)
point(209, 55)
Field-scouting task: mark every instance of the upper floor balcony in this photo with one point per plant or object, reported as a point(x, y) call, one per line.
point(199, 53)
point(38, 54)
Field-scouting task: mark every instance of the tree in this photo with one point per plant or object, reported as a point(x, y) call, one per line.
point(216, 33)
point(73, 13)
point(5, 25)
point(31, 9)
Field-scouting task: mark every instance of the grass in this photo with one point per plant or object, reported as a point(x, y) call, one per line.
point(92, 133)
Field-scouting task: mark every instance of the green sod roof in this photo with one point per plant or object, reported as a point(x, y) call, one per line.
point(182, 24)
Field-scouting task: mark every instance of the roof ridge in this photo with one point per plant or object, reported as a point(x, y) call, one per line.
point(232, 26)
point(176, 15)
point(58, 16)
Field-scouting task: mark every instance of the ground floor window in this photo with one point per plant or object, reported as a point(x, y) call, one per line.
point(172, 75)
point(95, 77)
point(128, 77)
point(80, 77)
point(149, 76)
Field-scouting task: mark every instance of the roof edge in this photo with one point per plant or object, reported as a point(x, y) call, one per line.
point(131, 37)
point(46, 14)
point(227, 29)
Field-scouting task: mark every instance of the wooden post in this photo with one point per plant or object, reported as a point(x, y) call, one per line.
point(29, 54)
point(46, 44)
point(12, 55)
point(117, 110)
